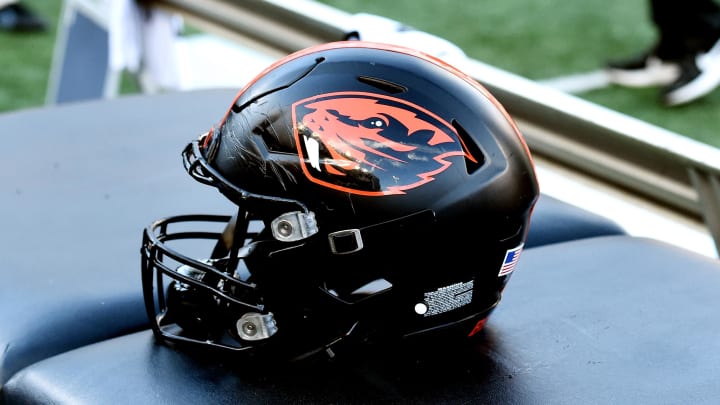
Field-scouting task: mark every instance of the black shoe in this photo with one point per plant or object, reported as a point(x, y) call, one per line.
point(700, 74)
point(643, 71)
point(18, 18)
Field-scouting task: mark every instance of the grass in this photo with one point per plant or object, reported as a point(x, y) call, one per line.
point(541, 39)
point(538, 39)
point(25, 60)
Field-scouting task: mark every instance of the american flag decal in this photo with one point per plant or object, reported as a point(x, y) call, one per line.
point(511, 258)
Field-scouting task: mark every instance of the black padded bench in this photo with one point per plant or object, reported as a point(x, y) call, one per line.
point(603, 320)
point(80, 181)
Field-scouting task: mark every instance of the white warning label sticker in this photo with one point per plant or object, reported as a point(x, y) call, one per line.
point(448, 298)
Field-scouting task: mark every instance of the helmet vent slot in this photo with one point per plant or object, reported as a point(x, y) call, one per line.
point(474, 158)
point(384, 85)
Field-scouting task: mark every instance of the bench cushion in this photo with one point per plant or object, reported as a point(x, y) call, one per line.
point(601, 320)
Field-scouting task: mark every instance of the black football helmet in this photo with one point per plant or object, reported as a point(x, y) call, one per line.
point(381, 195)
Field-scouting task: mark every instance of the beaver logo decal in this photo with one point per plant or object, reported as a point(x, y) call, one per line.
point(371, 144)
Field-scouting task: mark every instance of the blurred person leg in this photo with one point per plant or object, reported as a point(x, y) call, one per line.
point(699, 36)
point(17, 17)
point(660, 64)
point(685, 29)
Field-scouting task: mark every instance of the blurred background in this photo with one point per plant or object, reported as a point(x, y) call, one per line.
point(539, 39)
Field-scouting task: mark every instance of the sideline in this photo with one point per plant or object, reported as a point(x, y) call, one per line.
point(579, 82)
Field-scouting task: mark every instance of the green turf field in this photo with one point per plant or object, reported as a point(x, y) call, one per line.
point(538, 39)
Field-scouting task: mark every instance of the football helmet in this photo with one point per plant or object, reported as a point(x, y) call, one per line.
point(381, 195)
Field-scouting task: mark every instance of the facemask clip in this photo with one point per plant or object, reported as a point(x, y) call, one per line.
point(254, 326)
point(294, 226)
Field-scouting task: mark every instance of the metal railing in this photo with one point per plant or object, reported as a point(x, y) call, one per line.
point(647, 161)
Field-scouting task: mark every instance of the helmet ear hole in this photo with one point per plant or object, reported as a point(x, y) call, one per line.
point(474, 158)
point(374, 287)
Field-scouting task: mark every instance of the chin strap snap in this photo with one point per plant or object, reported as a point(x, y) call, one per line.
point(254, 326)
point(294, 226)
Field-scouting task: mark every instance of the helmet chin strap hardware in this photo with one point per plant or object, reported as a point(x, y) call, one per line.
point(345, 241)
point(254, 326)
point(294, 226)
